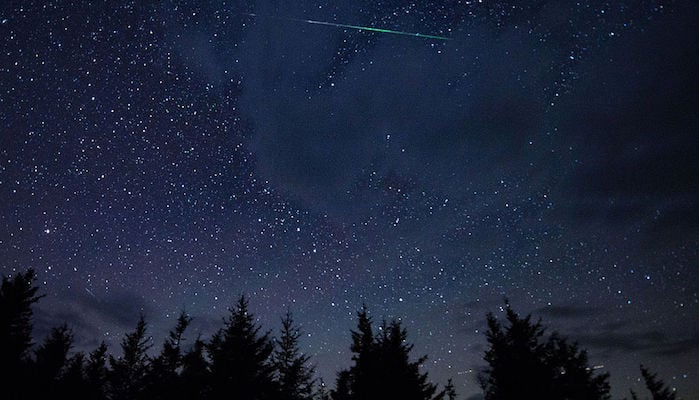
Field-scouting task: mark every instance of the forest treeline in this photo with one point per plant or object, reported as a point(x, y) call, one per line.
point(241, 361)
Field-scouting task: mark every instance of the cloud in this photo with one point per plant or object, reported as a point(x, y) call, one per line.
point(90, 316)
point(648, 341)
point(403, 112)
point(631, 127)
point(568, 311)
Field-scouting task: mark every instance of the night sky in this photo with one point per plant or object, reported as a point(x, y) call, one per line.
point(160, 156)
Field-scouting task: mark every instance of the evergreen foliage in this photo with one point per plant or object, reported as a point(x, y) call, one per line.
point(241, 365)
point(17, 295)
point(127, 375)
point(50, 360)
point(449, 390)
point(163, 380)
point(241, 362)
point(73, 382)
point(96, 373)
point(382, 368)
point(294, 373)
point(522, 364)
point(321, 392)
point(657, 388)
point(195, 372)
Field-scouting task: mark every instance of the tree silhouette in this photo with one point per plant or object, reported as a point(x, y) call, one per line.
point(96, 373)
point(294, 374)
point(241, 366)
point(342, 389)
point(195, 372)
point(127, 375)
point(73, 383)
point(321, 392)
point(163, 377)
point(50, 359)
point(521, 364)
point(449, 390)
point(17, 295)
point(382, 367)
point(401, 377)
point(243, 363)
point(361, 375)
point(657, 388)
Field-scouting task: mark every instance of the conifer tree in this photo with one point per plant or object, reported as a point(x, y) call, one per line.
point(127, 375)
point(342, 389)
point(521, 364)
point(449, 390)
point(294, 374)
point(73, 383)
point(657, 388)
point(321, 392)
point(382, 367)
point(163, 378)
point(362, 375)
point(398, 377)
point(241, 366)
point(96, 373)
point(50, 359)
point(17, 295)
point(195, 372)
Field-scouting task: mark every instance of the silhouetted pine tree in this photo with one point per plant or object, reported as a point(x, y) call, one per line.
point(163, 378)
point(449, 390)
point(521, 365)
point(573, 377)
point(96, 373)
point(127, 375)
point(321, 392)
point(73, 383)
point(195, 372)
point(294, 374)
point(17, 295)
point(362, 376)
point(399, 377)
point(342, 389)
point(50, 359)
point(657, 388)
point(382, 368)
point(241, 366)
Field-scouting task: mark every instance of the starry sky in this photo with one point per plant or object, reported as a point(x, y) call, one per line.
point(165, 155)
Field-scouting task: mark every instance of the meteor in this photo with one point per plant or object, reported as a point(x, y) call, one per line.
point(357, 27)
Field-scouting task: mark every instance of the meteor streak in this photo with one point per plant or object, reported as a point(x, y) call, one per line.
point(357, 27)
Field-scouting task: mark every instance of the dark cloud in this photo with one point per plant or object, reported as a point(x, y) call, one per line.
point(568, 311)
point(85, 331)
point(86, 313)
point(676, 347)
point(399, 110)
point(632, 127)
point(651, 342)
point(122, 308)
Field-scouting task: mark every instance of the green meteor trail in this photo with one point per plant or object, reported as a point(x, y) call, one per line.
point(360, 28)
point(366, 28)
